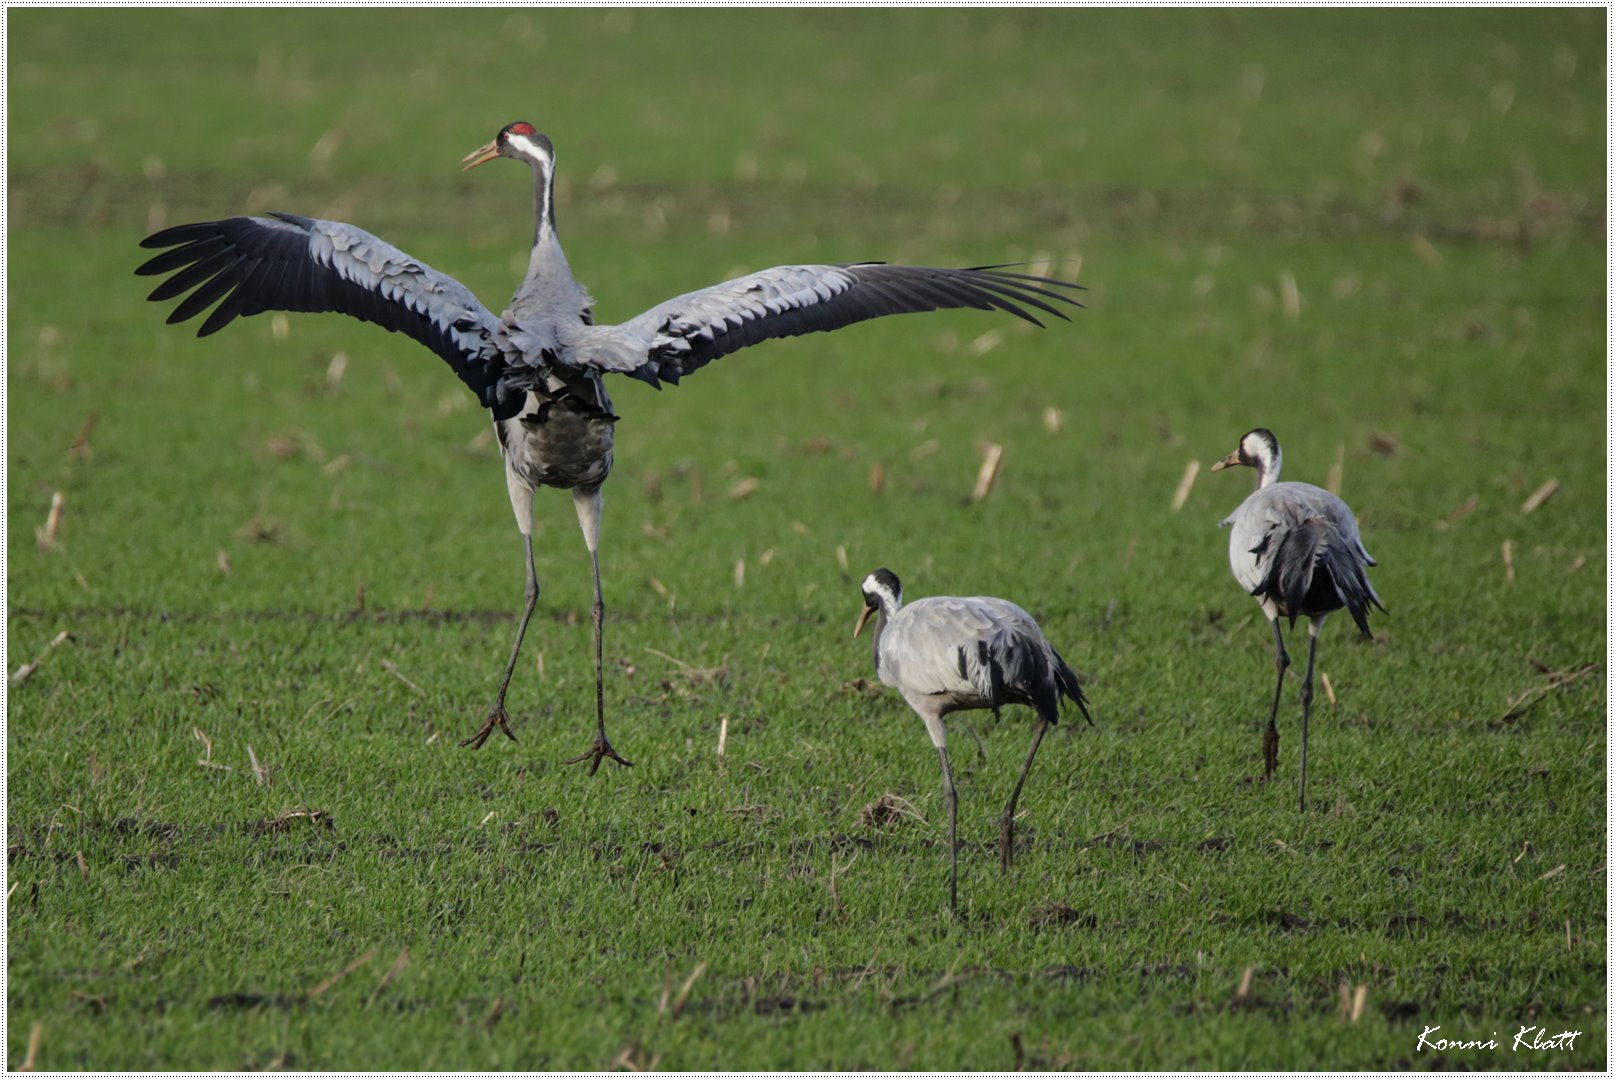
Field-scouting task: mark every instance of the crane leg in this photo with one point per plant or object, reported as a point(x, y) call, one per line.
point(498, 718)
point(1269, 741)
point(1305, 710)
point(952, 829)
point(980, 746)
point(1006, 837)
point(589, 502)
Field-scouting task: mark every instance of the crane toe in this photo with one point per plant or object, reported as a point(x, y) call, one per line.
point(497, 719)
point(600, 751)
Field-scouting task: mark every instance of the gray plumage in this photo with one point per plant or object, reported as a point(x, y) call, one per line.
point(1298, 545)
point(288, 263)
point(948, 654)
point(537, 367)
point(1296, 549)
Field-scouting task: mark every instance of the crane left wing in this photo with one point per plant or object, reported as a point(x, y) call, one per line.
point(287, 263)
point(685, 333)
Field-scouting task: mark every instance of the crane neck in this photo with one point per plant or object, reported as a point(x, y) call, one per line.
point(1267, 468)
point(879, 632)
point(888, 609)
point(543, 197)
point(548, 260)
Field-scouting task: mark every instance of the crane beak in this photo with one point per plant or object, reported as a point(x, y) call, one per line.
point(1230, 461)
point(480, 156)
point(862, 618)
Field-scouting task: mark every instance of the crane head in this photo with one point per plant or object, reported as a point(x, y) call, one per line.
point(519, 140)
point(1257, 449)
point(881, 589)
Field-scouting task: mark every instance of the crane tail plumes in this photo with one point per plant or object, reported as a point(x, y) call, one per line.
point(1069, 685)
point(1011, 667)
point(1313, 568)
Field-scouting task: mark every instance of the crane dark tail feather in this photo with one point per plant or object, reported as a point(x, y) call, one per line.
point(1070, 686)
point(1313, 572)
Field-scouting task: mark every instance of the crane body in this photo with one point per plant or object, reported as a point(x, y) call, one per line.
point(1296, 548)
point(948, 654)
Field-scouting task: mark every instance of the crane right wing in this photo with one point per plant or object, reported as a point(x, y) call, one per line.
point(287, 263)
point(687, 332)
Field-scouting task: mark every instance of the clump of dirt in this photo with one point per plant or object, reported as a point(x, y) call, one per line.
point(1057, 913)
point(887, 810)
point(248, 1001)
point(284, 822)
point(1288, 921)
point(784, 1004)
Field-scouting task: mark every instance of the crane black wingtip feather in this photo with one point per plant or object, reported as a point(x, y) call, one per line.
point(168, 237)
point(998, 268)
point(174, 235)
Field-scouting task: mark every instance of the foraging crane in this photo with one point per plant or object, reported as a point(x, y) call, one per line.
point(953, 654)
point(1296, 549)
point(537, 368)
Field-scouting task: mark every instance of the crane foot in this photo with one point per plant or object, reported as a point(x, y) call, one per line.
point(599, 751)
point(1269, 750)
point(1006, 845)
point(496, 719)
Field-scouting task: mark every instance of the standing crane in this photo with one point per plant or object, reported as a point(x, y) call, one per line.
point(1296, 549)
point(949, 654)
point(538, 367)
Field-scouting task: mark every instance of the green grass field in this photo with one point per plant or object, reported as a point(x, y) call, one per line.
point(1379, 233)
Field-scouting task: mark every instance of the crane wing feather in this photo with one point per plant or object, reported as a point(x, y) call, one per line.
point(687, 332)
point(979, 647)
point(208, 262)
point(249, 265)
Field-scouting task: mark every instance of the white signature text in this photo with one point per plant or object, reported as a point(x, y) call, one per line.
point(1528, 1037)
